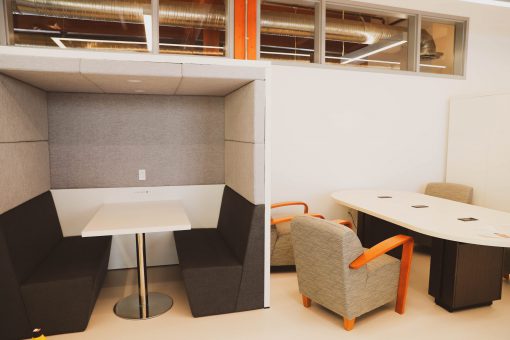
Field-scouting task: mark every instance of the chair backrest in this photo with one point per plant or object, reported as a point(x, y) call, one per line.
point(238, 217)
point(323, 251)
point(27, 235)
point(241, 225)
point(451, 191)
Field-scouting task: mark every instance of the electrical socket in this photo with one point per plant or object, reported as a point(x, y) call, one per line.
point(141, 175)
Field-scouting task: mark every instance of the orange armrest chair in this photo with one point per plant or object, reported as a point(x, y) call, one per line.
point(284, 219)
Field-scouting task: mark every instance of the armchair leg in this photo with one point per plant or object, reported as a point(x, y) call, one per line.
point(307, 302)
point(403, 281)
point(349, 324)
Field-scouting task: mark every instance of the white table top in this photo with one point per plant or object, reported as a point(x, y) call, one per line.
point(137, 217)
point(439, 220)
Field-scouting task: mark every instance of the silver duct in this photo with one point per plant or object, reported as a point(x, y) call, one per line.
point(302, 25)
point(209, 16)
point(428, 47)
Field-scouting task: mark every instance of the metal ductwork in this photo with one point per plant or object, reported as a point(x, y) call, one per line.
point(209, 16)
point(428, 47)
point(303, 25)
point(183, 14)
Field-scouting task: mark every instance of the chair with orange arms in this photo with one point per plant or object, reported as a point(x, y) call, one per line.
point(336, 272)
point(281, 245)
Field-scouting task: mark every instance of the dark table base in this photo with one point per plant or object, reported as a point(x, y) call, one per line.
point(462, 275)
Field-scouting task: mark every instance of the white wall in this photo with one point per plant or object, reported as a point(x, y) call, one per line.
point(336, 129)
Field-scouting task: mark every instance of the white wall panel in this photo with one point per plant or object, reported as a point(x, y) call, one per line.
point(244, 170)
point(479, 148)
point(245, 113)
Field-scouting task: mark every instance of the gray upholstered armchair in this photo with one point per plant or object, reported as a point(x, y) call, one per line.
point(450, 191)
point(335, 271)
point(282, 254)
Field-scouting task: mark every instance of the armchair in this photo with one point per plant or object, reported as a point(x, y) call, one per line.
point(450, 191)
point(335, 271)
point(281, 245)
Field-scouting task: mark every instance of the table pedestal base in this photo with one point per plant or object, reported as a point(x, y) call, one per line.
point(461, 275)
point(130, 308)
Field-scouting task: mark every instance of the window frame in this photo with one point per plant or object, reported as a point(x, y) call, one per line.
point(415, 18)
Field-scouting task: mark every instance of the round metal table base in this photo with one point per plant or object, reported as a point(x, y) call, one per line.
point(129, 307)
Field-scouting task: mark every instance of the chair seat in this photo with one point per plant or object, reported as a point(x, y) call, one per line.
point(210, 270)
point(61, 292)
point(73, 257)
point(203, 247)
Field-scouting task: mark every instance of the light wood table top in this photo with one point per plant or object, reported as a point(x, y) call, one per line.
point(439, 219)
point(137, 218)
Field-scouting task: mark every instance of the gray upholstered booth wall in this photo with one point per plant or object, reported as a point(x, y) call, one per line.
point(244, 141)
point(24, 160)
point(178, 140)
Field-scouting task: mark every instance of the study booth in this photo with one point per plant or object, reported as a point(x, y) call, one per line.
point(86, 132)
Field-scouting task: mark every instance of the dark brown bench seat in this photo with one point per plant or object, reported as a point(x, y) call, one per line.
point(223, 268)
point(48, 281)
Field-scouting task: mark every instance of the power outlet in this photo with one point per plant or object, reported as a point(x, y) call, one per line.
point(141, 175)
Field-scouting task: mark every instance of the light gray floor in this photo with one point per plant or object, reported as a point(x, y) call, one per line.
point(288, 319)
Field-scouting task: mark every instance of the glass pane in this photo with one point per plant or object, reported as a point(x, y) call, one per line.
point(192, 27)
point(287, 32)
point(100, 24)
point(358, 38)
point(437, 48)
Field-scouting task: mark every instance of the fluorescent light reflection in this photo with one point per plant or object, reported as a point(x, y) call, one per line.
point(147, 22)
point(387, 47)
point(59, 42)
point(490, 2)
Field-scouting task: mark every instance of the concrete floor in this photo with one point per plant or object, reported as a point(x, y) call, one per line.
point(288, 319)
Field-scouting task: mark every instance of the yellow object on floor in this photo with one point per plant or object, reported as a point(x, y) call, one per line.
point(37, 334)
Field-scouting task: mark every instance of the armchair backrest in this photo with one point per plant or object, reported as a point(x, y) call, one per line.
point(323, 251)
point(451, 191)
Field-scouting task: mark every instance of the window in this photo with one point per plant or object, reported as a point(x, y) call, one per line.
point(368, 38)
point(118, 25)
point(442, 46)
point(287, 31)
point(343, 33)
point(193, 27)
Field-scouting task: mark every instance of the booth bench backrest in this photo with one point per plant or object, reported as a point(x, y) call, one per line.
point(30, 232)
point(241, 225)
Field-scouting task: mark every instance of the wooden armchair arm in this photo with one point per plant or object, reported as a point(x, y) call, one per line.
point(346, 223)
point(405, 263)
point(288, 218)
point(286, 204)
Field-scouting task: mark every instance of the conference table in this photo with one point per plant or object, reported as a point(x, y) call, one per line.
point(468, 240)
point(139, 218)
